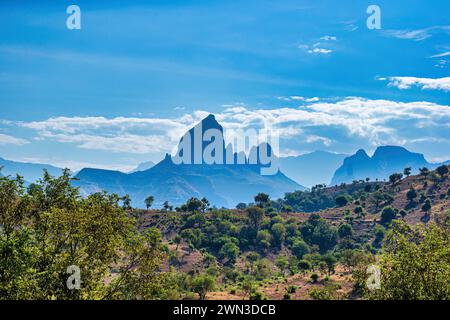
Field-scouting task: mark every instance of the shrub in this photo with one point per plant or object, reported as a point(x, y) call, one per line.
point(341, 200)
point(387, 215)
point(314, 277)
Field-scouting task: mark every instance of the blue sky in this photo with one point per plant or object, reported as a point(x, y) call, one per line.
point(124, 88)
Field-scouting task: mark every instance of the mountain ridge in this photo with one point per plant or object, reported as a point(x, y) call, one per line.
point(222, 184)
point(384, 161)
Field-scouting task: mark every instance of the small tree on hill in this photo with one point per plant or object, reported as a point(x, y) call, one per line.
point(341, 200)
point(262, 199)
point(255, 216)
point(424, 171)
point(203, 284)
point(359, 211)
point(442, 170)
point(166, 205)
point(395, 177)
point(387, 215)
point(411, 194)
point(194, 204)
point(149, 201)
point(345, 230)
point(426, 206)
point(407, 171)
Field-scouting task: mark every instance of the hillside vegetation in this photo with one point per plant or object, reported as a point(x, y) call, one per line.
point(307, 245)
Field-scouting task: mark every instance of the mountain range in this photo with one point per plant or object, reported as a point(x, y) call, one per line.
point(385, 161)
point(222, 184)
point(228, 184)
point(30, 171)
point(143, 166)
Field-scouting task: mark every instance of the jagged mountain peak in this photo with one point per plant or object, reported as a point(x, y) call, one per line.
point(385, 161)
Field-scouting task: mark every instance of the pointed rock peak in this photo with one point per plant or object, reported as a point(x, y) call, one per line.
point(361, 153)
point(210, 122)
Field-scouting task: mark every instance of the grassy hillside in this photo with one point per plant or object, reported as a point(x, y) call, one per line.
point(262, 250)
point(300, 255)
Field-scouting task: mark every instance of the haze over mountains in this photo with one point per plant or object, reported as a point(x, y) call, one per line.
point(143, 166)
point(228, 184)
point(222, 184)
point(30, 171)
point(385, 161)
point(312, 168)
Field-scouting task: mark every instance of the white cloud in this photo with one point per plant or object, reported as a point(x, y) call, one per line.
point(443, 54)
point(328, 38)
point(299, 98)
point(316, 47)
point(378, 122)
point(320, 51)
point(313, 138)
point(418, 34)
point(423, 83)
point(6, 139)
point(121, 134)
point(349, 122)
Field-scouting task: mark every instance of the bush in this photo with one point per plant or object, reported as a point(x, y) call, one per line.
point(304, 265)
point(345, 230)
point(442, 170)
point(291, 289)
point(341, 200)
point(299, 248)
point(387, 215)
point(314, 277)
point(257, 295)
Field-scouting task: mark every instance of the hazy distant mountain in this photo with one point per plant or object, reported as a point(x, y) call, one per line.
point(143, 166)
point(30, 171)
point(385, 161)
point(312, 168)
point(222, 184)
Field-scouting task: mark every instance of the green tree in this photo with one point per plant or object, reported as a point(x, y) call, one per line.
point(377, 198)
point(317, 231)
point(395, 177)
point(407, 171)
point(202, 284)
point(442, 170)
point(426, 206)
point(282, 263)
point(299, 248)
point(241, 206)
point(345, 230)
point(278, 232)
point(166, 205)
point(415, 264)
point(194, 204)
point(411, 194)
point(424, 171)
point(330, 261)
point(149, 201)
point(358, 211)
point(51, 227)
point(255, 216)
point(387, 215)
point(229, 251)
point(264, 239)
point(341, 200)
point(262, 200)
